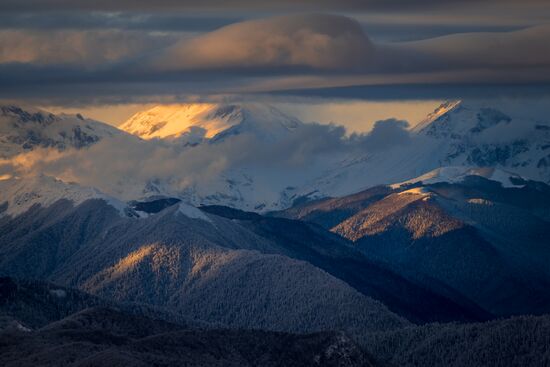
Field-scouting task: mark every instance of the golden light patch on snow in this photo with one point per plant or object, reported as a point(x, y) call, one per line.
point(174, 120)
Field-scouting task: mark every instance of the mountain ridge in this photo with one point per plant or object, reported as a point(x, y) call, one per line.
point(194, 123)
point(454, 233)
point(26, 128)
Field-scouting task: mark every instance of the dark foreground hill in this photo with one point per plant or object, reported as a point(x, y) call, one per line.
point(104, 337)
point(42, 326)
point(520, 341)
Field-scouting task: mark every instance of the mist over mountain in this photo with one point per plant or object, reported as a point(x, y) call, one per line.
point(253, 157)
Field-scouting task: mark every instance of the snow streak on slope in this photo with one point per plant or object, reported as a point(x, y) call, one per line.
point(192, 212)
point(442, 110)
point(17, 195)
point(456, 174)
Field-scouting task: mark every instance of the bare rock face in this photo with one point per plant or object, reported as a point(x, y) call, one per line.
point(23, 129)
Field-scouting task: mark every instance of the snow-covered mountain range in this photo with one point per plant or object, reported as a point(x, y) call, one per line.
point(247, 141)
point(455, 134)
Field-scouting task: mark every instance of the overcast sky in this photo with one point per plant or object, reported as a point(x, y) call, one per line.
point(118, 56)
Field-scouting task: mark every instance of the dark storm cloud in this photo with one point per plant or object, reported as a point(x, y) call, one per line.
point(523, 48)
point(387, 32)
point(101, 20)
point(267, 5)
point(162, 5)
point(419, 91)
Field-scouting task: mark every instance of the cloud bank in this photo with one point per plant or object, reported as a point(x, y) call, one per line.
point(122, 166)
point(84, 49)
point(284, 53)
point(525, 48)
point(325, 5)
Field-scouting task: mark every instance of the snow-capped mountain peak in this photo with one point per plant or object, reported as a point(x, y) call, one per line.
point(440, 111)
point(27, 114)
point(172, 121)
point(456, 120)
point(492, 140)
point(483, 135)
point(24, 128)
point(208, 120)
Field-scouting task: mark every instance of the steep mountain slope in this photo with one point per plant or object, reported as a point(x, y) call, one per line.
point(191, 123)
point(337, 256)
point(458, 174)
point(329, 212)
point(26, 128)
point(452, 236)
point(183, 259)
point(41, 240)
point(487, 137)
point(65, 332)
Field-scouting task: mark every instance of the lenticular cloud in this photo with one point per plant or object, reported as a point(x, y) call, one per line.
point(326, 42)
